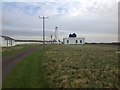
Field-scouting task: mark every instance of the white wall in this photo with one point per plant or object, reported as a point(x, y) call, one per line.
point(0, 41)
point(28, 43)
point(4, 42)
point(72, 40)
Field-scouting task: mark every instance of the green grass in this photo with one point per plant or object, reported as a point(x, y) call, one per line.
point(29, 73)
point(68, 66)
point(82, 66)
point(7, 51)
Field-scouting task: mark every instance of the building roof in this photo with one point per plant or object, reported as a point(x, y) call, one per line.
point(7, 38)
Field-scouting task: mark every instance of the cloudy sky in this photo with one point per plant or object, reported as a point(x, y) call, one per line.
point(96, 20)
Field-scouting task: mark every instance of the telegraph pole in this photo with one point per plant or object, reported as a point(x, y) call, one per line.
point(43, 17)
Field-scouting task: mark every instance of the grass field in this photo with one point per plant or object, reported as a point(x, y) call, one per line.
point(6, 51)
point(28, 73)
point(67, 66)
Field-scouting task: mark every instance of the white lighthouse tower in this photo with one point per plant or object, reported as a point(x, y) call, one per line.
point(56, 33)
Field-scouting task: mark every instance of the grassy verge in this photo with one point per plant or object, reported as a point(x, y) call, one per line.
point(29, 73)
point(7, 51)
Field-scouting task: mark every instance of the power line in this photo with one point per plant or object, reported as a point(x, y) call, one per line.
point(43, 17)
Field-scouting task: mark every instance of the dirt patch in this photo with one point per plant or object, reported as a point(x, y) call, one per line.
point(8, 63)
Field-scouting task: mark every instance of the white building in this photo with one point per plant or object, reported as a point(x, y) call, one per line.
point(74, 40)
point(7, 41)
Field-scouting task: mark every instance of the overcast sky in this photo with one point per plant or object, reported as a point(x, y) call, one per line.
point(96, 20)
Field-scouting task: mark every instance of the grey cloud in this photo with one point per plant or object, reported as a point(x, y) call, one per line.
point(89, 18)
point(21, 33)
point(29, 32)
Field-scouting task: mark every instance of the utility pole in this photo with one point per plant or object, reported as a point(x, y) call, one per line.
point(43, 17)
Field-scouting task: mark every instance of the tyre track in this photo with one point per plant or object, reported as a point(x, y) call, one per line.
point(9, 63)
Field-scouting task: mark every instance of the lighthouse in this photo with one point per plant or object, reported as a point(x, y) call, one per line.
point(56, 33)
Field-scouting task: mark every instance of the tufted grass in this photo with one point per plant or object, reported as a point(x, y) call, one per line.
point(68, 66)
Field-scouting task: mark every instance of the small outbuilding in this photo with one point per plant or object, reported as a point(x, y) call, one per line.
point(7, 41)
point(73, 39)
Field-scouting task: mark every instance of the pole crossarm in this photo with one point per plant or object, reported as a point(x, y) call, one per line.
point(43, 17)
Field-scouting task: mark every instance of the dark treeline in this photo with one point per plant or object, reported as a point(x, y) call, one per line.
point(113, 43)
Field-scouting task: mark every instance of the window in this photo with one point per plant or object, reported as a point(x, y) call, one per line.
point(67, 41)
point(80, 41)
point(76, 41)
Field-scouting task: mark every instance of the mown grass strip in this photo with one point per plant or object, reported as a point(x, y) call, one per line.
point(29, 73)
